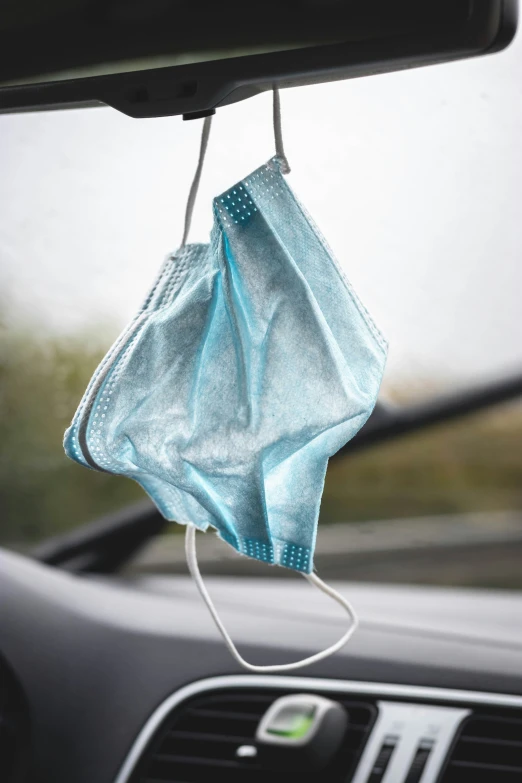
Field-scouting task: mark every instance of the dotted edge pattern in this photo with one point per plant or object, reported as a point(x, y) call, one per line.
point(367, 318)
point(111, 355)
point(237, 204)
point(97, 446)
point(269, 181)
point(234, 206)
point(275, 552)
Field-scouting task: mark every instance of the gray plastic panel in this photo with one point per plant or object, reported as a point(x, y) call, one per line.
point(97, 657)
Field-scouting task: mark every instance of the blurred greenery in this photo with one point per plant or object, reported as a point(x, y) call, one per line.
point(475, 464)
point(41, 491)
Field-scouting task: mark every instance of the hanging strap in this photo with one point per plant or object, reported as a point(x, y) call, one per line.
point(278, 133)
point(205, 133)
point(190, 537)
point(192, 562)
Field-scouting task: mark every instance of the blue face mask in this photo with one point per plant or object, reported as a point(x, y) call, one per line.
point(250, 363)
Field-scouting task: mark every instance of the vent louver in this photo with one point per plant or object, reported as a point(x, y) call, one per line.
point(198, 741)
point(488, 750)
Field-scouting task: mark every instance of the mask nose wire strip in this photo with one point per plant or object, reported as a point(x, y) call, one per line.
point(192, 562)
point(205, 133)
point(278, 133)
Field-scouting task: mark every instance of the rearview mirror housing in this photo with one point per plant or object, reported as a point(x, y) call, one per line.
point(161, 58)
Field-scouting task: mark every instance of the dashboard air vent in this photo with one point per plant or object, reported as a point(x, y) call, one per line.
point(199, 740)
point(488, 750)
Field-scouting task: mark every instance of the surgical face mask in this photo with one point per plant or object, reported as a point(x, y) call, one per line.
point(250, 363)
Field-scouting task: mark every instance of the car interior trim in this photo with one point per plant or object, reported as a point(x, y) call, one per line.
point(375, 690)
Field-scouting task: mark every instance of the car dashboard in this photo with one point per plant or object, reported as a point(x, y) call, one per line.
point(126, 679)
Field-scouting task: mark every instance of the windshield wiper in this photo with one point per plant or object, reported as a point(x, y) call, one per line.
point(391, 422)
point(107, 544)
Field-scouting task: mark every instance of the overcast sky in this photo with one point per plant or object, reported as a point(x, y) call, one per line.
point(414, 178)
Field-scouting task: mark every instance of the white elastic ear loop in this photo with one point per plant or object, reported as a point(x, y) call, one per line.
point(192, 562)
point(278, 133)
point(193, 192)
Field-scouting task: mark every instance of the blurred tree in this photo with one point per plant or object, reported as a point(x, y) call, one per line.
point(474, 464)
point(41, 491)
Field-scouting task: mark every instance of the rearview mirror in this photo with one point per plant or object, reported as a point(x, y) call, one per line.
point(152, 58)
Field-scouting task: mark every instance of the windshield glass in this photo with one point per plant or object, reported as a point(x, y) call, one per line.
point(413, 177)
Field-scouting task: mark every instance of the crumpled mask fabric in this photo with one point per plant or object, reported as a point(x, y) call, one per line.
point(250, 363)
